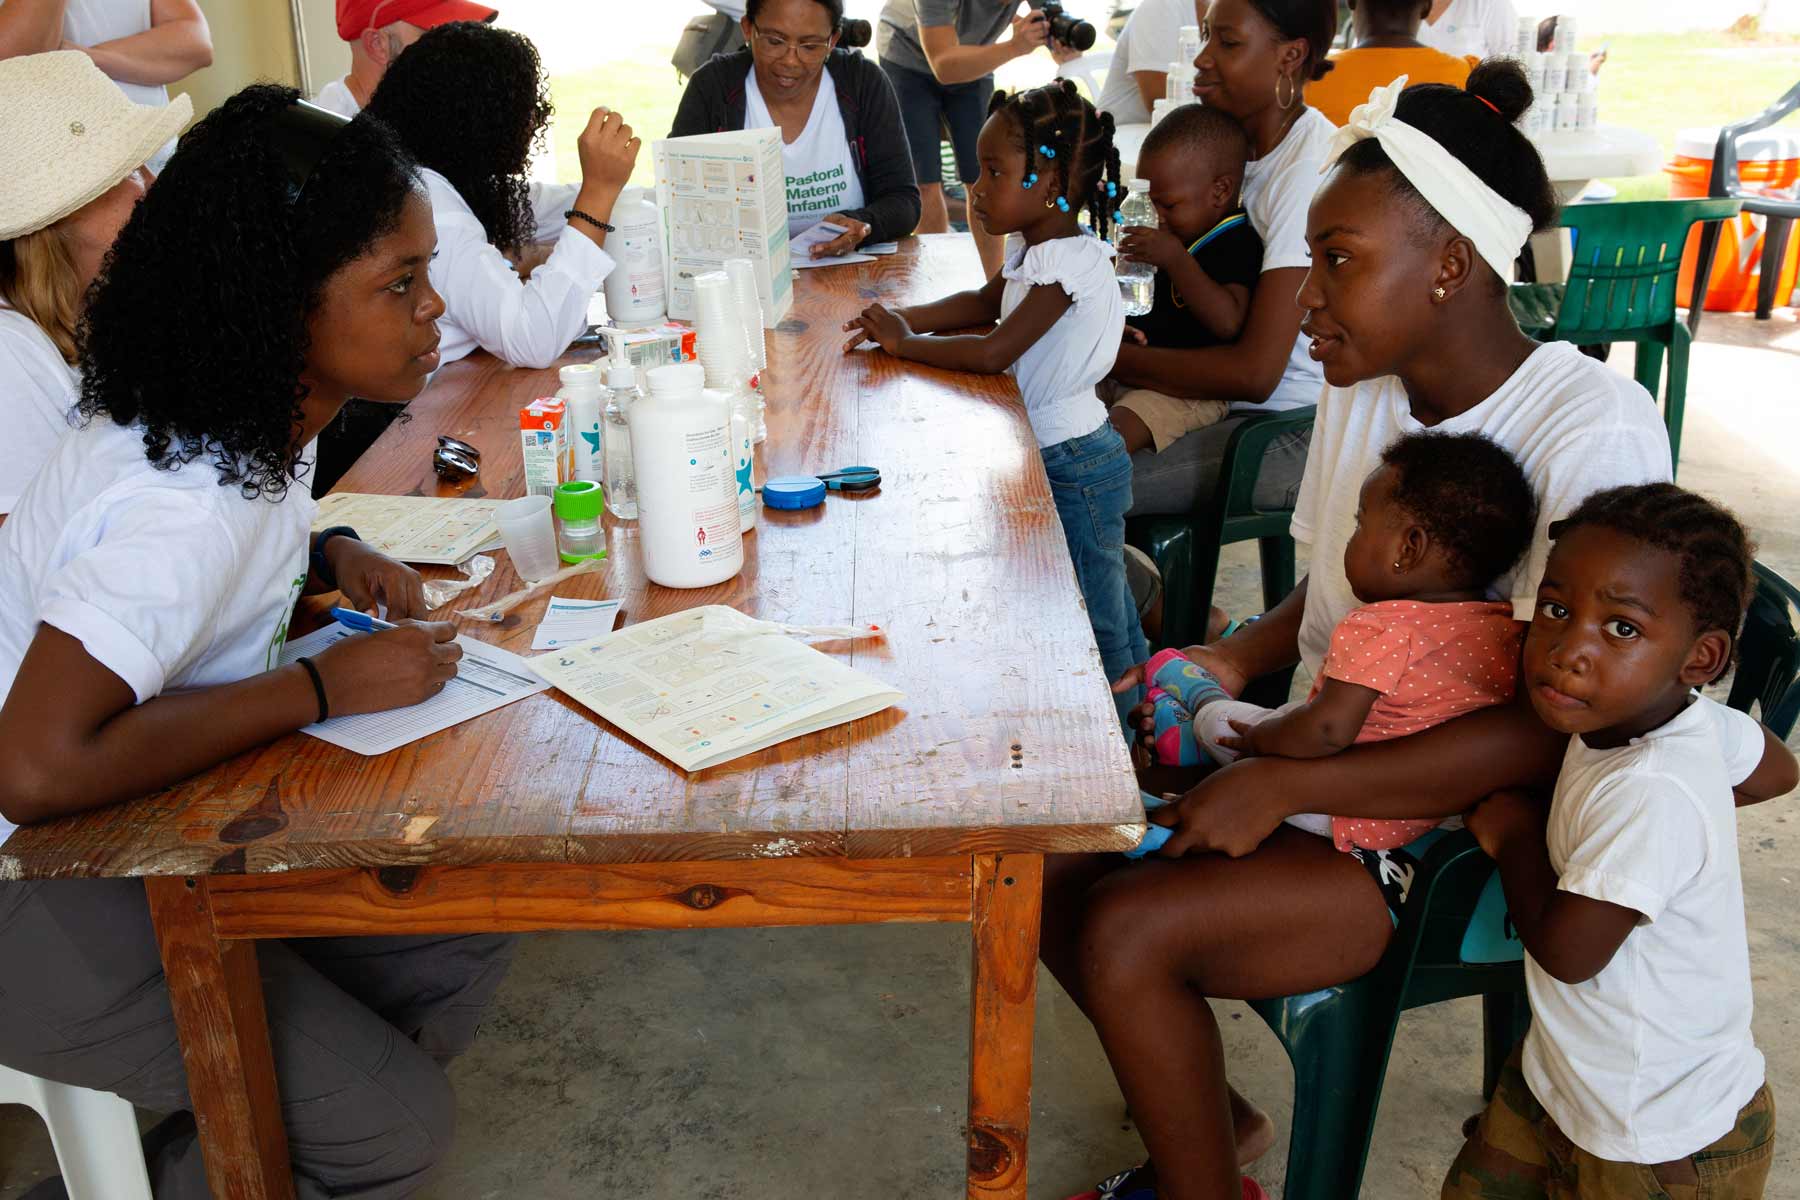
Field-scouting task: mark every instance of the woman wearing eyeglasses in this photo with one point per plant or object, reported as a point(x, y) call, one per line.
point(843, 146)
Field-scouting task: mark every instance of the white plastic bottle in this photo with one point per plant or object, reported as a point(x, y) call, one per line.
point(1137, 280)
point(620, 474)
point(687, 490)
point(580, 391)
point(634, 287)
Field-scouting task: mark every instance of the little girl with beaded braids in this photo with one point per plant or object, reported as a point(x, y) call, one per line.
point(1046, 156)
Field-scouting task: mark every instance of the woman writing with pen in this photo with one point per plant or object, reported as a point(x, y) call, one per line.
point(147, 577)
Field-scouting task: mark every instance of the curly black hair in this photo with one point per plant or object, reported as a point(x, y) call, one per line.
point(196, 331)
point(1477, 123)
point(1082, 156)
point(1713, 547)
point(470, 101)
point(1470, 495)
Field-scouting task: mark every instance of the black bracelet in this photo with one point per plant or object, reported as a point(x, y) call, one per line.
point(318, 687)
point(575, 214)
point(320, 566)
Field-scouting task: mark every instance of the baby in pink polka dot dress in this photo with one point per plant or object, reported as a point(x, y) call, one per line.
point(1440, 519)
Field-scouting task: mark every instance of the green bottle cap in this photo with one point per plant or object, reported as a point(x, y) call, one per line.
point(579, 500)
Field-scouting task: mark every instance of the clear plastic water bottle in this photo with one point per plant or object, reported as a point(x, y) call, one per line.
point(619, 474)
point(1137, 280)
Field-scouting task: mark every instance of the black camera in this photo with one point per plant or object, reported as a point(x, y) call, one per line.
point(1070, 31)
point(854, 33)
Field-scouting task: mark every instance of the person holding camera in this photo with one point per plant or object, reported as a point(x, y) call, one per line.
point(843, 146)
point(941, 56)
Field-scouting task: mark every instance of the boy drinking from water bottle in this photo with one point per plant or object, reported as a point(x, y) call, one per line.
point(1207, 259)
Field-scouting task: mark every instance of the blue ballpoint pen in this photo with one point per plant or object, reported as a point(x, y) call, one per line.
point(362, 622)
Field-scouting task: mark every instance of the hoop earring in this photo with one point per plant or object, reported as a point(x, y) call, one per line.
point(1293, 91)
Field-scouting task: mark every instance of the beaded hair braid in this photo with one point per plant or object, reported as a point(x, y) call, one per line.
point(1058, 119)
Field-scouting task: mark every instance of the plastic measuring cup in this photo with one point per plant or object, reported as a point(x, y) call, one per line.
point(529, 536)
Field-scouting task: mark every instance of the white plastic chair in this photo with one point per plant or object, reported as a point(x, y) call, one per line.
point(1090, 70)
point(95, 1135)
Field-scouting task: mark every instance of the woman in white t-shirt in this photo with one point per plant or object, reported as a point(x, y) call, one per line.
point(469, 101)
point(63, 198)
point(1407, 313)
point(1255, 63)
point(1471, 28)
point(147, 578)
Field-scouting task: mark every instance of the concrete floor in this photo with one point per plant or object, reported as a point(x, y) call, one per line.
point(769, 1064)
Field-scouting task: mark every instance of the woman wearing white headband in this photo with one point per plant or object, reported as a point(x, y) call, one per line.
point(1412, 238)
point(72, 154)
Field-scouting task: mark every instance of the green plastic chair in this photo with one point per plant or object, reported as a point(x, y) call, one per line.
point(1621, 288)
point(1338, 1038)
point(1186, 548)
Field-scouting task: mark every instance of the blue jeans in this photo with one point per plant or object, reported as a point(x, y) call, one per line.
point(1090, 480)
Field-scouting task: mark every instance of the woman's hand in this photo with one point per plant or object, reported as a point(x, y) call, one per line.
point(395, 668)
point(855, 233)
point(1146, 244)
point(879, 324)
point(367, 577)
point(1504, 816)
point(1218, 662)
point(608, 151)
point(1232, 811)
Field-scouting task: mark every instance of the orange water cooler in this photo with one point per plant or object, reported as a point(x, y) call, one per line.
point(1768, 162)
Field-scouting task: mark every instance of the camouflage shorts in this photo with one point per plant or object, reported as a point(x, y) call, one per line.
point(1518, 1153)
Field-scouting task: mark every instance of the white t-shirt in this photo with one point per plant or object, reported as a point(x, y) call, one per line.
point(1150, 41)
point(90, 22)
point(1278, 190)
point(37, 390)
point(1574, 427)
point(167, 579)
point(528, 323)
point(1484, 28)
point(1651, 1059)
point(821, 172)
point(336, 97)
point(1057, 375)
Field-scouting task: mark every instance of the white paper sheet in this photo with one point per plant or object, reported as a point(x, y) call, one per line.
point(568, 621)
point(435, 530)
point(487, 678)
point(708, 685)
point(879, 248)
point(800, 247)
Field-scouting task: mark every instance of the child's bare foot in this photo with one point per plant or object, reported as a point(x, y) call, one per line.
point(1253, 1129)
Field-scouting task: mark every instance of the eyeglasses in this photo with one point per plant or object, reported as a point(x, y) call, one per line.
point(809, 51)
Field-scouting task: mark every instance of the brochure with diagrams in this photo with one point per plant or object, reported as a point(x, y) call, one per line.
point(431, 530)
point(708, 685)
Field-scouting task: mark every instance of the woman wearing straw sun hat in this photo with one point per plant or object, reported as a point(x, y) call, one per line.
point(72, 154)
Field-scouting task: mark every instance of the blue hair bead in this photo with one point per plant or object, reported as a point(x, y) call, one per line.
point(1062, 203)
point(1029, 182)
point(1118, 218)
point(1046, 151)
point(1112, 189)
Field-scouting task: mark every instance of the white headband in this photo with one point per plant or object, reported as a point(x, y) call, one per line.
point(1496, 226)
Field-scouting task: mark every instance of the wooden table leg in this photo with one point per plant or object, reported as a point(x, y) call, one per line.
point(1008, 894)
point(215, 990)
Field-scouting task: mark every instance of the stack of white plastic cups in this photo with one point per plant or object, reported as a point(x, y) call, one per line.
point(723, 351)
point(742, 273)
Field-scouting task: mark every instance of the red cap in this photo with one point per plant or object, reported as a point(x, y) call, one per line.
point(354, 16)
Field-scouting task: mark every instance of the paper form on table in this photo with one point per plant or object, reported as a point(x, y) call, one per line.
point(800, 247)
point(708, 685)
point(487, 678)
point(433, 530)
point(567, 621)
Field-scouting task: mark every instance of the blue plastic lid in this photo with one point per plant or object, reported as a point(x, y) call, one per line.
point(794, 491)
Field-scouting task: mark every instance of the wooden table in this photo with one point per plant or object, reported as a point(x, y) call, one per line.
point(541, 816)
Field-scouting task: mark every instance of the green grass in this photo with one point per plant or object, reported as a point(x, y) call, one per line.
point(1660, 83)
point(1663, 83)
